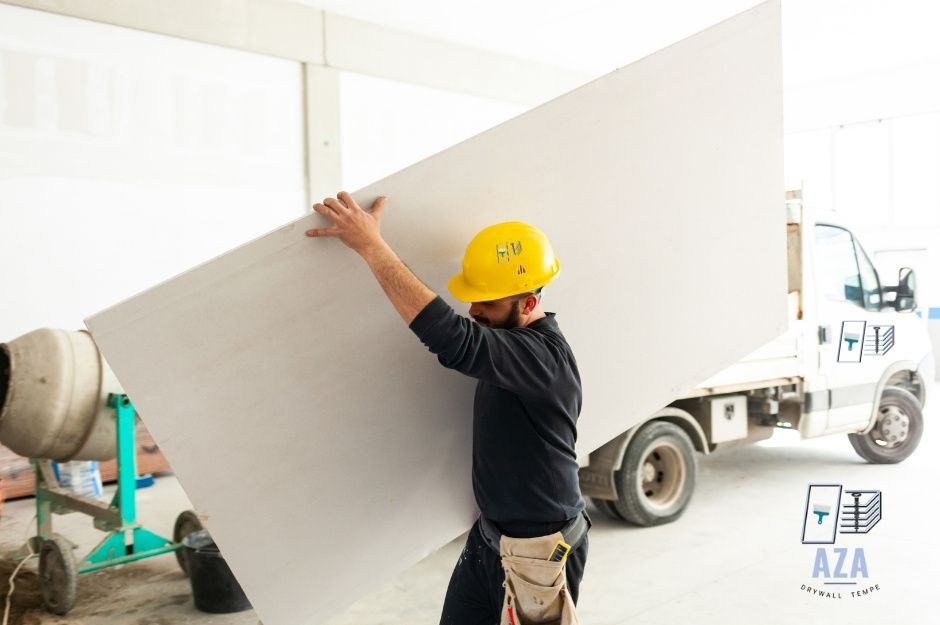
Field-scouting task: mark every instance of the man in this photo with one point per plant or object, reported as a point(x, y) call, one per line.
point(528, 398)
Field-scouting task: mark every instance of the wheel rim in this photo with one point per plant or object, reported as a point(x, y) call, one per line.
point(892, 428)
point(662, 475)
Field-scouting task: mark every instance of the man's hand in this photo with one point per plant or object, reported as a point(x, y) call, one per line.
point(360, 231)
point(354, 226)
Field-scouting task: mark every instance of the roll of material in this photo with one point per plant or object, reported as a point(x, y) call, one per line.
point(54, 387)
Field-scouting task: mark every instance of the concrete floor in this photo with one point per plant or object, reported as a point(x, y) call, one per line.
point(734, 557)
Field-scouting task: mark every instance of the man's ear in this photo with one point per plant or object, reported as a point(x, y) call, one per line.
point(531, 302)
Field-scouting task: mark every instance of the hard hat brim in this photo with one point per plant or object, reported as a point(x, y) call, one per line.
point(467, 293)
point(459, 288)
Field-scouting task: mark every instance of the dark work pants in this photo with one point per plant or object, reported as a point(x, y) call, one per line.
point(475, 593)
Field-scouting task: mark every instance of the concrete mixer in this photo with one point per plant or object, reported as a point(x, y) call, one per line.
point(60, 401)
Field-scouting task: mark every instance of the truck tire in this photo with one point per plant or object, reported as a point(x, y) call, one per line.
point(657, 476)
point(897, 431)
point(607, 508)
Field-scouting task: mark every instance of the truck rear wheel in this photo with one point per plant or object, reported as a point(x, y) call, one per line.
point(657, 476)
point(897, 431)
point(608, 508)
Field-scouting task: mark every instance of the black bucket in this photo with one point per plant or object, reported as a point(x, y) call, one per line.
point(215, 589)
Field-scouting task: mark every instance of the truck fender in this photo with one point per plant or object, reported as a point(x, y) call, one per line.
point(597, 479)
point(891, 377)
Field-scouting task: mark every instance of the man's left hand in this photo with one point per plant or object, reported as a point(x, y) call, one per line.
point(355, 227)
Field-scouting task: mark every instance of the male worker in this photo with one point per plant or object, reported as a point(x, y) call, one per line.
point(525, 473)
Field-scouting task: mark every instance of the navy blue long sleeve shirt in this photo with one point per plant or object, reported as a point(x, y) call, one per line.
point(525, 412)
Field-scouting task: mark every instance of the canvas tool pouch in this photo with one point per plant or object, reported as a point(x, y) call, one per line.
point(536, 588)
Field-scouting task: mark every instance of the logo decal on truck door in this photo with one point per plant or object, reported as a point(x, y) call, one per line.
point(850, 341)
point(860, 339)
point(878, 340)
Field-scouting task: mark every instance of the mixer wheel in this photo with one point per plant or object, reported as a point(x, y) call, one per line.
point(58, 575)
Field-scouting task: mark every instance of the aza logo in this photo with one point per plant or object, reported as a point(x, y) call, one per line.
point(837, 566)
point(830, 515)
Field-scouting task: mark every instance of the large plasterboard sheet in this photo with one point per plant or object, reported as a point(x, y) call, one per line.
point(330, 451)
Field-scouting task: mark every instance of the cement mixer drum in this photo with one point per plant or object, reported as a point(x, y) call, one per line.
point(54, 387)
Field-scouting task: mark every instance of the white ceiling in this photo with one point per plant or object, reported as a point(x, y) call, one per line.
point(823, 39)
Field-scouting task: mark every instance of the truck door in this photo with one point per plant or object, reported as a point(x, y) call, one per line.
point(854, 334)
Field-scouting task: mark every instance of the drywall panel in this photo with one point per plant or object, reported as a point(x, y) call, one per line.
point(330, 450)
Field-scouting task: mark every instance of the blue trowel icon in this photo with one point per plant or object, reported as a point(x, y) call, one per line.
point(821, 511)
point(851, 339)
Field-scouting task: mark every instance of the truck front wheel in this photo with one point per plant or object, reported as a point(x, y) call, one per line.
point(897, 431)
point(657, 476)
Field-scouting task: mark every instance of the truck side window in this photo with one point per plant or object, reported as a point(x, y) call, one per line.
point(871, 286)
point(837, 274)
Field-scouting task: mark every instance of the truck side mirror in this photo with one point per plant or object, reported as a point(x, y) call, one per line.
point(907, 283)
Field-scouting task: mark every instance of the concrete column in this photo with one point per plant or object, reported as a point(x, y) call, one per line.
point(321, 121)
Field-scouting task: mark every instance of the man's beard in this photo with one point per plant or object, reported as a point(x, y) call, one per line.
point(513, 320)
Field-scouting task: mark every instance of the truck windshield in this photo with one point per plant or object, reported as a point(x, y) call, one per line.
point(837, 275)
point(871, 286)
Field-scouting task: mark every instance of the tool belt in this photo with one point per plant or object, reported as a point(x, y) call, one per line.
point(536, 585)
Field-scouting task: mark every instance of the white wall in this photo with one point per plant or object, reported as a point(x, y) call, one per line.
point(120, 151)
point(387, 125)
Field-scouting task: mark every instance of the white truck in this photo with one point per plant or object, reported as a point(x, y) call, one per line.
point(855, 359)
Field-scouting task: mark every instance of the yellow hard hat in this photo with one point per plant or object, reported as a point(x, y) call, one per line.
point(502, 260)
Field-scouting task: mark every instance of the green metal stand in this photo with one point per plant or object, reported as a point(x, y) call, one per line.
point(126, 541)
